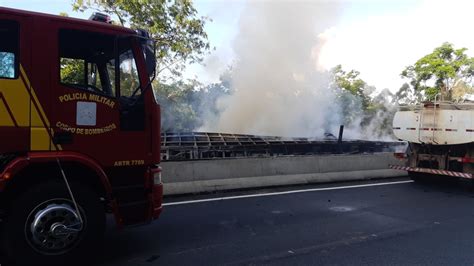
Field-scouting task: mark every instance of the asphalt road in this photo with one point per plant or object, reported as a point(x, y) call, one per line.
point(397, 224)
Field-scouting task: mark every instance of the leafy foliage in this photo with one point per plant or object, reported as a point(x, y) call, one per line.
point(406, 95)
point(439, 72)
point(349, 81)
point(177, 111)
point(175, 25)
point(72, 71)
point(361, 108)
point(352, 94)
point(186, 104)
point(380, 114)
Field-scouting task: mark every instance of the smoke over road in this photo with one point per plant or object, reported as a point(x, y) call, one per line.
point(277, 87)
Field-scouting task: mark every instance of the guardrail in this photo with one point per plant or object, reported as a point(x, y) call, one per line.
point(197, 176)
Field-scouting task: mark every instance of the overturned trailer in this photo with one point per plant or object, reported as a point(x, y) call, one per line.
point(207, 145)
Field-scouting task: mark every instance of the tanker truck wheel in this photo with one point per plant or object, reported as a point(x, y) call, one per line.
point(43, 226)
point(433, 179)
point(418, 177)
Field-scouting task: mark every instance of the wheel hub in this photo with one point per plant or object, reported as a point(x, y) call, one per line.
point(53, 228)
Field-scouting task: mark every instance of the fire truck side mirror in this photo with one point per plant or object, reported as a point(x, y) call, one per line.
point(149, 48)
point(150, 60)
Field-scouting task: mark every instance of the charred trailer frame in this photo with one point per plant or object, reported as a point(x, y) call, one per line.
point(207, 145)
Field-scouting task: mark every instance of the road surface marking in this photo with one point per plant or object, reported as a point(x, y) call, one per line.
point(285, 192)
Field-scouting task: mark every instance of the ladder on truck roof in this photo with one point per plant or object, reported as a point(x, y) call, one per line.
point(427, 125)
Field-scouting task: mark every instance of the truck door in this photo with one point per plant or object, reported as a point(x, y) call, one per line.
point(14, 90)
point(99, 111)
point(86, 116)
point(134, 135)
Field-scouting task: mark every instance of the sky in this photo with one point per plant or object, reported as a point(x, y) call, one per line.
point(377, 38)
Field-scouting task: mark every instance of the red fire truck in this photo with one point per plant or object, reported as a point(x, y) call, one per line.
point(79, 133)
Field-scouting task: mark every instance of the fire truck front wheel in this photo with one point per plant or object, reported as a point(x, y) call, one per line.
point(44, 225)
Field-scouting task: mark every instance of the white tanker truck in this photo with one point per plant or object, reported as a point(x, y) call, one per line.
point(440, 138)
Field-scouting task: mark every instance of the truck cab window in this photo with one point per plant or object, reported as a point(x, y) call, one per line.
point(129, 80)
point(9, 62)
point(132, 105)
point(72, 71)
point(87, 61)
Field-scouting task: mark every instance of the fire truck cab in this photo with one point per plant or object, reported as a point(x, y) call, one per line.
point(79, 133)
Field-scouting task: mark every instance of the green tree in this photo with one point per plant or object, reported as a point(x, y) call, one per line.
point(440, 71)
point(175, 24)
point(351, 82)
point(406, 95)
point(352, 95)
point(189, 105)
point(362, 108)
point(460, 89)
point(380, 115)
point(178, 111)
point(72, 71)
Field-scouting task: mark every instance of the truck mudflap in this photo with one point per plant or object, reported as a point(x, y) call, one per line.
point(431, 171)
point(157, 197)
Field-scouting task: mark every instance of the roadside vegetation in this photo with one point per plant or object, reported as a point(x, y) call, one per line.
point(444, 74)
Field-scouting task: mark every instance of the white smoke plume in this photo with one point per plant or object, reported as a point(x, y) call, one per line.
point(277, 87)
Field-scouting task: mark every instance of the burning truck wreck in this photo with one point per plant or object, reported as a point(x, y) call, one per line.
point(179, 146)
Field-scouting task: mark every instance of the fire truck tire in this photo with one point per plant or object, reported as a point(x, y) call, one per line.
point(43, 226)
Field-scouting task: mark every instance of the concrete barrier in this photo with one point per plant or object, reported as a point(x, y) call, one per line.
point(224, 174)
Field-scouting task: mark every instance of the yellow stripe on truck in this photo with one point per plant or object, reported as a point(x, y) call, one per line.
point(18, 108)
point(35, 99)
point(18, 99)
point(5, 117)
point(40, 138)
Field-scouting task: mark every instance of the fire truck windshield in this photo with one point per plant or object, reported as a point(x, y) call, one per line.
point(92, 65)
